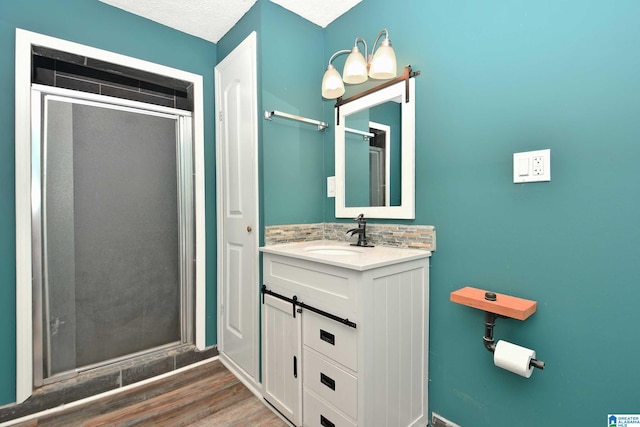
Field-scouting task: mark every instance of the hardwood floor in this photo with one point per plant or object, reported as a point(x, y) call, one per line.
point(208, 395)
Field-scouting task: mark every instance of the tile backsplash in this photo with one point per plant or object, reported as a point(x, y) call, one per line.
point(397, 235)
point(274, 234)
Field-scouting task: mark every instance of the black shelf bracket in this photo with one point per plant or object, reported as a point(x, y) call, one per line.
point(489, 325)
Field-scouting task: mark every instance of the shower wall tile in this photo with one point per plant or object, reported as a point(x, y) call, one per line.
point(157, 90)
point(93, 75)
point(58, 55)
point(184, 99)
point(136, 74)
point(189, 358)
point(182, 102)
point(44, 70)
point(61, 393)
point(92, 387)
point(148, 370)
point(136, 96)
point(60, 69)
point(77, 84)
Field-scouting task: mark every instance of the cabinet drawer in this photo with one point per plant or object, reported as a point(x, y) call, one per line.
point(330, 382)
point(319, 414)
point(330, 338)
point(324, 286)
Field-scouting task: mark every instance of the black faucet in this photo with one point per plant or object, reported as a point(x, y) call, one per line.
point(362, 232)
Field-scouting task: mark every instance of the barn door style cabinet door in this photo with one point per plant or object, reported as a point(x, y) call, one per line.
point(281, 358)
point(345, 343)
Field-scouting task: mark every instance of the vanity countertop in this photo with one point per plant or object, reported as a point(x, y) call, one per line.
point(342, 254)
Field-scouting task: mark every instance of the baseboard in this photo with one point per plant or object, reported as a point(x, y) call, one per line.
point(249, 382)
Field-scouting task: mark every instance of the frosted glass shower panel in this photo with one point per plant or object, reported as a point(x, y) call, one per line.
point(110, 233)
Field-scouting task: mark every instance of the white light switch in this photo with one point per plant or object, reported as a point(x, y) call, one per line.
point(331, 186)
point(523, 167)
point(532, 166)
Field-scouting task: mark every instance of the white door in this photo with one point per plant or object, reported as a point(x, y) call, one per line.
point(282, 369)
point(237, 208)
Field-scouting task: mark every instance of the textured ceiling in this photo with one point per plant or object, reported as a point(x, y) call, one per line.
point(211, 19)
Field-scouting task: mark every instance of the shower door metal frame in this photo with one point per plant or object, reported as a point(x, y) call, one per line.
point(185, 209)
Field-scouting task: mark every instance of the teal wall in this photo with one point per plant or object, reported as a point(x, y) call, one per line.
point(497, 78)
point(95, 24)
point(500, 77)
point(293, 174)
point(250, 21)
point(291, 162)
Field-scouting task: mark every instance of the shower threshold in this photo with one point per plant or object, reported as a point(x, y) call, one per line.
point(90, 382)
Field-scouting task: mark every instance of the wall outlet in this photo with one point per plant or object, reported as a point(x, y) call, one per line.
point(537, 165)
point(440, 421)
point(532, 166)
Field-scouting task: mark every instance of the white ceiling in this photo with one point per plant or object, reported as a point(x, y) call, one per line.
point(211, 19)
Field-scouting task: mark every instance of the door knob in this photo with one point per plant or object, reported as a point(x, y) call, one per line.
point(249, 229)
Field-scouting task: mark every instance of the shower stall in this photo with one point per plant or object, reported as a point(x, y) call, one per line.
point(112, 230)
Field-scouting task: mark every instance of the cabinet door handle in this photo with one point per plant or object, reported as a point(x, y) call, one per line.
point(328, 381)
point(295, 367)
point(327, 337)
point(325, 422)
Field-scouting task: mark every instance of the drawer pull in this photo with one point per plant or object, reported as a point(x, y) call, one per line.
point(295, 367)
point(327, 337)
point(328, 381)
point(325, 422)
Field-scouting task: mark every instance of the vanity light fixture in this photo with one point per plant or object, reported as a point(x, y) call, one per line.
point(380, 64)
point(332, 86)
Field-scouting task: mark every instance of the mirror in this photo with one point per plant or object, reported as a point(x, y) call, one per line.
point(375, 154)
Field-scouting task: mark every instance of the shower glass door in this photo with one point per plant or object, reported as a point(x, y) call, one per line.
point(112, 206)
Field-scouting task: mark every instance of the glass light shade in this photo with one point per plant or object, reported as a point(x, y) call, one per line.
point(332, 86)
point(383, 64)
point(355, 68)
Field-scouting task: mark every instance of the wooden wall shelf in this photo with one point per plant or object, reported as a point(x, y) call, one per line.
point(504, 305)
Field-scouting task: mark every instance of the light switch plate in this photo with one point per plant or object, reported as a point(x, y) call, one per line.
point(532, 166)
point(331, 186)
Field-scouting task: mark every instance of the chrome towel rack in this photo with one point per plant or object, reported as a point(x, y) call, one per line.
point(268, 115)
point(365, 135)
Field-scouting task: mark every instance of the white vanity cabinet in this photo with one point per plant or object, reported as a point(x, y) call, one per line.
point(345, 334)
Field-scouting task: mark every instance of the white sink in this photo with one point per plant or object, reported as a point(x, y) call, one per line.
point(342, 254)
point(332, 250)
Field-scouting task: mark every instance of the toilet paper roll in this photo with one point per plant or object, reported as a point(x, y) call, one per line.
point(514, 358)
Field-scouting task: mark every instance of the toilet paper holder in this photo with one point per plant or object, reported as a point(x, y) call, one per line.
point(505, 307)
point(490, 323)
